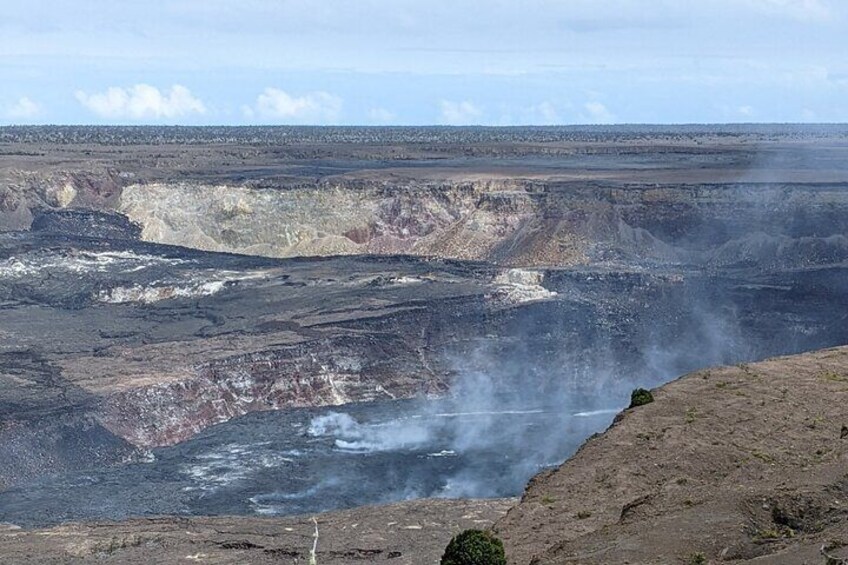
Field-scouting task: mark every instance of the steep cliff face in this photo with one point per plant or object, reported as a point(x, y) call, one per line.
point(24, 192)
point(690, 196)
point(462, 220)
point(331, 371)
point(520, 223)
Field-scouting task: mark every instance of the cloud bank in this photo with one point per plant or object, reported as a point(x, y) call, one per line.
point(142, 102)
point(460, 62)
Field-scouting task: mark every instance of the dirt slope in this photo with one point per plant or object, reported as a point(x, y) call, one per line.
point(744, 464)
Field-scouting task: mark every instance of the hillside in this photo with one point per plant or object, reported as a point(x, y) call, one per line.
point(743, 464)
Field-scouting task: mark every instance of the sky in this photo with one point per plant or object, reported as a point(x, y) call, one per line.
point(422, 62)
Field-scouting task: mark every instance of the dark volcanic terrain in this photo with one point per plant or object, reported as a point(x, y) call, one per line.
point(159, 286)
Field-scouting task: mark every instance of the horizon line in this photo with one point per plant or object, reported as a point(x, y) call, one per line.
point(430, 126)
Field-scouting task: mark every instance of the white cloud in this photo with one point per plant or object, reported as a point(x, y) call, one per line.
point(459, 113)
point(311, 108)
point(733, 113)
point(22, 109)
point(544, 114)
point(597, 113)
point(381, 116)
point(142, 102)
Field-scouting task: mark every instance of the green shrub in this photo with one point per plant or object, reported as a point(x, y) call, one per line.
point(640, 397)
point(474, 547)
point(698, 559)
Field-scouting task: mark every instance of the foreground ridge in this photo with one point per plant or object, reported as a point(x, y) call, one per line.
point(735, 464)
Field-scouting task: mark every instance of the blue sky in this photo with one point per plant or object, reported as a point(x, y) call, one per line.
point(377, 62)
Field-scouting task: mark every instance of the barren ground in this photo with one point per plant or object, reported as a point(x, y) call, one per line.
point(744, 464)
point(414, 533)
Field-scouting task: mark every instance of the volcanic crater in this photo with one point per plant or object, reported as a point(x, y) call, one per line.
point(285, 321)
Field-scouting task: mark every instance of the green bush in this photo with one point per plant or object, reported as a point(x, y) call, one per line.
point(640, 397)
point(474, 547)
point(697, 559)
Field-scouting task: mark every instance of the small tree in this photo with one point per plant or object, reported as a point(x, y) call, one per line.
point(474, 547)
point(640, 397)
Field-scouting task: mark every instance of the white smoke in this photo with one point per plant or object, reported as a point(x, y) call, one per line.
point(508, 416)
point(355, 436)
